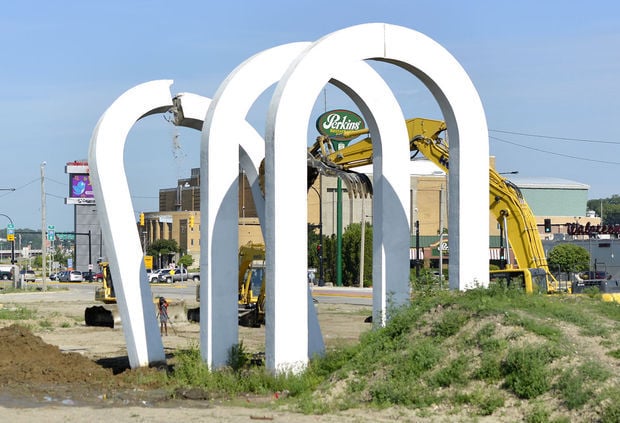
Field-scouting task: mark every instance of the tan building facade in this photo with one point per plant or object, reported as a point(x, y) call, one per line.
point(179, 215)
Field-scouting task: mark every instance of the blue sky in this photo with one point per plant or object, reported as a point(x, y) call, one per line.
point(549, 69)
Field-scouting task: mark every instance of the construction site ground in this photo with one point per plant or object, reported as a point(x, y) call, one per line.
point(54, 367)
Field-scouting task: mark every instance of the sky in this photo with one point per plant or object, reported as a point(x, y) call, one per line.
point(548, 75)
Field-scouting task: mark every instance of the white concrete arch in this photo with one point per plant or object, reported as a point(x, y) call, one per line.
point(117, 216)
point(228, 110)
point(229, 140)
point(285, 138)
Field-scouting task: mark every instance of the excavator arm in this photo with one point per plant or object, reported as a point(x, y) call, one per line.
point(506, 201)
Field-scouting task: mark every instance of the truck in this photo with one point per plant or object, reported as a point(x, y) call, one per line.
point(177, 275)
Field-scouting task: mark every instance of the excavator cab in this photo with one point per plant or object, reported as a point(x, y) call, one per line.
point(252, 295)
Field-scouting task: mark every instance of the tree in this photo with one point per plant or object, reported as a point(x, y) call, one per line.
point(610, 209)
point(351, 245)
point(186, 261)
point(569, 258)
point(351, 242)
point(165, 249)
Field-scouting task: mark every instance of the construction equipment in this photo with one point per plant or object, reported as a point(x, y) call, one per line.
point(506, 201)
point(109, 316)
point(99, 315)
point(251, 287)
point(507, 204)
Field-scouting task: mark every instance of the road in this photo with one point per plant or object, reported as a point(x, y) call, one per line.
point(186, 291)
point(342, 295)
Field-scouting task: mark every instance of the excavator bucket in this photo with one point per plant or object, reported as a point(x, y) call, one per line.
point(102, 316)
point(358, 184)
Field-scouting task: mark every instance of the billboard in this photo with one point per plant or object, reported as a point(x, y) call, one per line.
point(80, 188)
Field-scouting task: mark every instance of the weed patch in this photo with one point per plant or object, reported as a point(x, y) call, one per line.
point(526, 372)
point(17, 313)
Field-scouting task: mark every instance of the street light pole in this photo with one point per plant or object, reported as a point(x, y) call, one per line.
point(321, 280)
point(15, 274)
point(12, 241)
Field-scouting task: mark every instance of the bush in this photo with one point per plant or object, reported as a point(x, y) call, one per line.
point(451, 322)
point(526, 372)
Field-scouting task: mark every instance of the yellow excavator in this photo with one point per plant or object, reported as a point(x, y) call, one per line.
point(252, 285)
point(100, 315)
point(108, 316)
point(506, 203)
point(251, 288)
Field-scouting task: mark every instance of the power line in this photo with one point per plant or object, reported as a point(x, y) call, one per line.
point(556, 138)
point(554, 153)
point(55, 181)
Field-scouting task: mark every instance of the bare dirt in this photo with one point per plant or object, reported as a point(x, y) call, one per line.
point(54, 367)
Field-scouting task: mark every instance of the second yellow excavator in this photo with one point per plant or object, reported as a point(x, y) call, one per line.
point(506, 201)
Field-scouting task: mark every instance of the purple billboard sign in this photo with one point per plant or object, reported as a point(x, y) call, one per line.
point(80, 186)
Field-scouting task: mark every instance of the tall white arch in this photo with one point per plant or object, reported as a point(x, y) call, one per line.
point(228, 110)
point(116, 213)
point(117, 218)
point(286, 145)
point(229, 140)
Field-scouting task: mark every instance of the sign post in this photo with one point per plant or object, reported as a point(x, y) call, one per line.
point(10, 236)
point(51, 232)
point(333, 125)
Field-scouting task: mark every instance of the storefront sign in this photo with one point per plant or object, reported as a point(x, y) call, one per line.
point(333, 124)
point(588, 229)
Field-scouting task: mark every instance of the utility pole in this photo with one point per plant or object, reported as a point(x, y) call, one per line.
point(362, 244)
point(43, 229)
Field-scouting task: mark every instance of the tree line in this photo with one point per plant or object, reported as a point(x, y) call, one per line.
point(608, 208)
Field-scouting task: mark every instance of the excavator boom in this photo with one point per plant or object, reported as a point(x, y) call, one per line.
point(506, 201)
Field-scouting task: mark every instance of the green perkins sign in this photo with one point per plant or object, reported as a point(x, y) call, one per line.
point(333, 124)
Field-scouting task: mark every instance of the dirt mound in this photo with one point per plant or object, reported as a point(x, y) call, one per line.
point(26, 358)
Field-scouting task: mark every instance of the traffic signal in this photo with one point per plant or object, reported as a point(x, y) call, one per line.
point(191, 221)
point(141, 219)
point(318, 250)
point(547, 226)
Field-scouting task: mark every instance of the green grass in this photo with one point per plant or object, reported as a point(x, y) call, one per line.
point(17, 313)
point(480, 351)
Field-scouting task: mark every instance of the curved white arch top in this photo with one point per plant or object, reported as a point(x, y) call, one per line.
point(286, 146)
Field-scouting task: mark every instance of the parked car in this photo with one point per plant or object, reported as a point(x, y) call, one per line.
point(5, 276)
point(28, 275)
point(88, 276)
point(154, 275)
point(63, 276)
point(163, 275)
point(75, 276)
point(99, 277)
point(54, 277)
